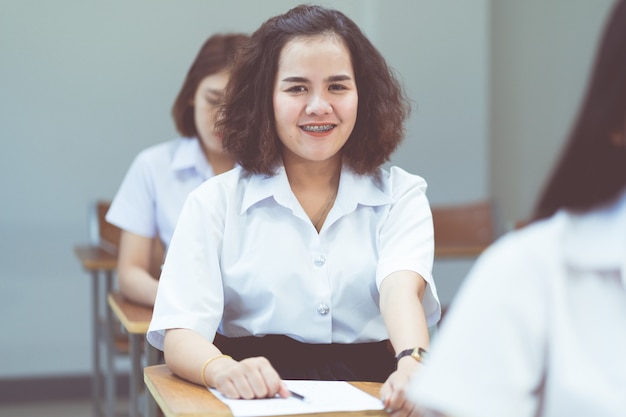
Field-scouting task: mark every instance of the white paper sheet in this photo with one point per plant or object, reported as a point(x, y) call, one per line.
point(320, 396)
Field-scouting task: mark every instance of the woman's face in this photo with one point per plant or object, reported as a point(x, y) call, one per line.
point(206, 103)
point(315, 98)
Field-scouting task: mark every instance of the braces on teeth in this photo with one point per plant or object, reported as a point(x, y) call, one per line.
point(318, 128)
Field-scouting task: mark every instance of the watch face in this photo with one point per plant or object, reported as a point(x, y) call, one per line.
point(419, 354)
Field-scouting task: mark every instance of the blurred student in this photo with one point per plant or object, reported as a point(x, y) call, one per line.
point(539, 329)
point(152, 194)
point(308, 260)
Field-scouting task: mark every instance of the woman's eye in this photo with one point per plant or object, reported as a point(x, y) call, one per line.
point(296, 89)
point(214, 101)
point(337, 87)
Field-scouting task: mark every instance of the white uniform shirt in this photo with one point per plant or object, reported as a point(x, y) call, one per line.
point(155, 187)
point(246, 259)
point(539, 329)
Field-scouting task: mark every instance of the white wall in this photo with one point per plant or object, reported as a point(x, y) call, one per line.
point(85, 85)
point(442, 53)
point(541, 57)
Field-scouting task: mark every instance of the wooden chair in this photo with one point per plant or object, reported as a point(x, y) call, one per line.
point(106, 236)
point(463, 230)
point(101, 232)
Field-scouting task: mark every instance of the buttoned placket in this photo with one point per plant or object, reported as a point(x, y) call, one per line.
point(322, 303)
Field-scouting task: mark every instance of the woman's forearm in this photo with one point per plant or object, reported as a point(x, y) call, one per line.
point(133, 269)
point(138, 285)
point(186, 352)
point(401, 308)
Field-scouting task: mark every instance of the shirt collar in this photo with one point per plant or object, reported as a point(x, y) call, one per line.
point(353, 190)
point(189, 155)
point(597, 240)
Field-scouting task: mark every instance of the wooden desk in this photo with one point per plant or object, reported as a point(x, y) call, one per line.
point(94, 258)
point(135, 319)
point(101, 265)
point(179, 398)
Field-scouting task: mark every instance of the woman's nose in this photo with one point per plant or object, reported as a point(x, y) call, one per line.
point(318, 105)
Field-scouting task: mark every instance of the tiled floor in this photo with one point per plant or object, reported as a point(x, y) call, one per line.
point(80, 408)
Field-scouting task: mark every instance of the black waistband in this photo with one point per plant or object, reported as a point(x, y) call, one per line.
point(333, 361)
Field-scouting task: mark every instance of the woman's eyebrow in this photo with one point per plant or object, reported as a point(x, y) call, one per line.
point(332, 78)
point(295, 80)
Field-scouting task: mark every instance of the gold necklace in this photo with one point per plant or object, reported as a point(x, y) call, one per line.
point(326, 207)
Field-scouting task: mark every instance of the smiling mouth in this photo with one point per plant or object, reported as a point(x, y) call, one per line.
point(317, 128)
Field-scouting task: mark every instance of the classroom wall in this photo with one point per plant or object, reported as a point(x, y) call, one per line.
point(541, 54)
point(85, 85)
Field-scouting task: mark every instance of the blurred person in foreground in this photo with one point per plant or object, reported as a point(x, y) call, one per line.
point(539, 328)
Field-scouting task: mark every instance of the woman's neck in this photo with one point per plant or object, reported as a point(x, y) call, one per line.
point(313, 175)
point(220, 162)
point(315, 186)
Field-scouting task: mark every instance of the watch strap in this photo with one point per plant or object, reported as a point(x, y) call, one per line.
point(418, 353)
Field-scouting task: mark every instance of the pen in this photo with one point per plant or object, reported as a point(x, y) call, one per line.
point(296, 395)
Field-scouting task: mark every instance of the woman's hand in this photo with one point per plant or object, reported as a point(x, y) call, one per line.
point(247, 379)
point(400, 304)
point(393, 391)
point(192, 357)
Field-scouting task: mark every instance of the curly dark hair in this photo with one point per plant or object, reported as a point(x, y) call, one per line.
point(247, 116)
point(216, 54)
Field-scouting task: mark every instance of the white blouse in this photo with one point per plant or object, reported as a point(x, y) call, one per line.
point(539, 327)
point(155, 187)
point(246, 259)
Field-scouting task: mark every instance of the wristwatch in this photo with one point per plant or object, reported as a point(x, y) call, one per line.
point(418, 353)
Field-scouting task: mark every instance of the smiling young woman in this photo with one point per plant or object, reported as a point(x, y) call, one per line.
point(308, 260)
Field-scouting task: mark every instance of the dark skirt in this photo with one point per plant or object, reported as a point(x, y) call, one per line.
point(328, 362)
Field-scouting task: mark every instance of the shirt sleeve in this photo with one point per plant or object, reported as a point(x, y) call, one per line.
point(487, 359)
point(407, 238)
point(133, 208)
point(190, 293)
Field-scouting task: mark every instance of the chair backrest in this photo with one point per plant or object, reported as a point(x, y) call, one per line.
point(101, 232)
point(469, 224)
point(107, 236)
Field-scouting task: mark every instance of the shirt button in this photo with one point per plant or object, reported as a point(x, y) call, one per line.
point(323, 309)
point(319, 260)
